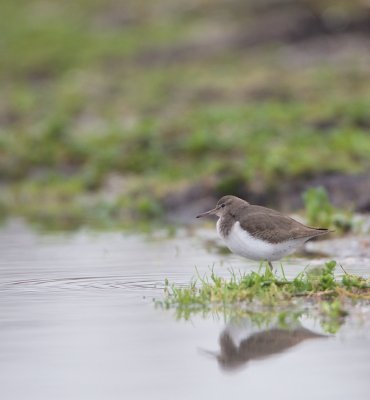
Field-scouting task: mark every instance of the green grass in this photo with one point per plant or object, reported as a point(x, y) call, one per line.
point(92, 90)
point(263, 291)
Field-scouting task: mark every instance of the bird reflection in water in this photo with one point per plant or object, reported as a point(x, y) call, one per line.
point(240, 345)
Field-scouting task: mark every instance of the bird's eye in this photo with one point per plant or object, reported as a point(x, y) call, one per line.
point(222, 205)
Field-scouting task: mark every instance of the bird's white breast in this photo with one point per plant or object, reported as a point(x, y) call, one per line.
point(240, 242)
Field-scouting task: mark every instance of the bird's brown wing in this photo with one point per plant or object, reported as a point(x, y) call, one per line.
point(272, 226)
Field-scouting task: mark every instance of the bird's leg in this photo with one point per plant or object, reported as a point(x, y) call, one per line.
point(270, 265)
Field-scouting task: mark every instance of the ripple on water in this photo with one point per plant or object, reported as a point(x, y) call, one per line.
point(120, 282)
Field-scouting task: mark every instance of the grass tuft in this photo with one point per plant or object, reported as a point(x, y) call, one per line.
point(235, 295)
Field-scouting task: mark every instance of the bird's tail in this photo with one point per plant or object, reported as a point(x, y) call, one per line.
point(322, 231)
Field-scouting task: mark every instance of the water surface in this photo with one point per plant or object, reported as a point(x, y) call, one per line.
point(77, 321)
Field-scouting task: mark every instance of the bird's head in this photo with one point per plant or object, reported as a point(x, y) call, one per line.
point(227, 204)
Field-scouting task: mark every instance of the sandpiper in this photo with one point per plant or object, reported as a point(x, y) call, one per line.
point(259, 233)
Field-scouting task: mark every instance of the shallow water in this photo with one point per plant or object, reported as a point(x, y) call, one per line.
point(77, 321)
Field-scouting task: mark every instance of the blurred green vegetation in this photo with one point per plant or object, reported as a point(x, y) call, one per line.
point(107, 107)
point(320, 212)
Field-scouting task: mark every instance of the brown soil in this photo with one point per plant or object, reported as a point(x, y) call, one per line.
point(345, 191)
point(288, 26)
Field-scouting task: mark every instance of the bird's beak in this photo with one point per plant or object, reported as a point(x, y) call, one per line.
point(210, 212)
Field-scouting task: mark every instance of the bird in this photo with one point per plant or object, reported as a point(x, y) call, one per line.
point(259, 233)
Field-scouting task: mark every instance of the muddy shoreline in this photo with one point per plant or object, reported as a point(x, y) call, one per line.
point(350, 192)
